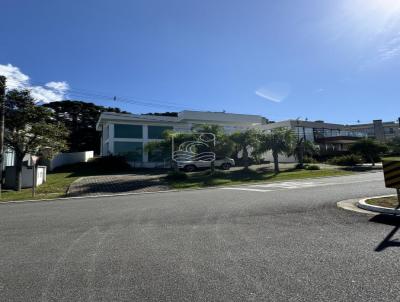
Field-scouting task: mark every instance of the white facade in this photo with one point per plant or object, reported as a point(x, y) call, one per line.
point(132, 132)
point(62, 159)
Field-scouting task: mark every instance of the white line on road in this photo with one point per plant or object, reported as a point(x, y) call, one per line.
point(280, 186)
point(245, 189)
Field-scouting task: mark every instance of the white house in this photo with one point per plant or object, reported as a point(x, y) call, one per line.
point(128, 134)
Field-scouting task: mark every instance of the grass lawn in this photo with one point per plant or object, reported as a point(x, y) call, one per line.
point(204, 179)
point(387, 202)
point(57, 182)
point(55, 186)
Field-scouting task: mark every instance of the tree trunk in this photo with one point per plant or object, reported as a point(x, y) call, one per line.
point(245, 158)
point(276, 161)
point(18, 172)
point(372, 161)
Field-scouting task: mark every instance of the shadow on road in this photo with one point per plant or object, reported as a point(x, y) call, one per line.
point(388, 241)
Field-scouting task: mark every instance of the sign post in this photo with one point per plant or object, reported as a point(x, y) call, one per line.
point(34, 160)
point(391, 171)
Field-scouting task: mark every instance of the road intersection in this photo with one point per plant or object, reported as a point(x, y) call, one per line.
point(288, 242)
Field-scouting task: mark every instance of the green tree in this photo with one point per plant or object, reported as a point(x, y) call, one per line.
point(369, 149)
point(246, 141)
point(279, 141)
point(223, 147)
point(394, 146)
point(303, 148)
point(30, 129)
point(80, 118)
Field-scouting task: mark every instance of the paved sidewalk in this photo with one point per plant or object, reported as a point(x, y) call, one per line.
point(125, 183)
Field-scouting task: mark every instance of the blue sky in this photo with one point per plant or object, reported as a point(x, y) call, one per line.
point(336, 60)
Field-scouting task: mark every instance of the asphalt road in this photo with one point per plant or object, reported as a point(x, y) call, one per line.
point(282, 242)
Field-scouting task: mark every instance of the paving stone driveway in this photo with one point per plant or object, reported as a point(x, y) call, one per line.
point(112, 184)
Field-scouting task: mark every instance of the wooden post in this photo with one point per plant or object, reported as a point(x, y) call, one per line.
point(33, 180)
point(398, 196)
point(2, 118)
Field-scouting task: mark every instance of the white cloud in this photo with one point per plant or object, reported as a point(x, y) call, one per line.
point(275, 92)
point(50, 92)
point(390, 49)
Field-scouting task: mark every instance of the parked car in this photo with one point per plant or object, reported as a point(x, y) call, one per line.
point(222, 163)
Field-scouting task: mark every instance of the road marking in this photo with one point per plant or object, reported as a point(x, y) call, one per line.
point(245, 189)
point(288, 185)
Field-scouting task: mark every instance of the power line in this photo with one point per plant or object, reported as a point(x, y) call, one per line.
point(79, 92)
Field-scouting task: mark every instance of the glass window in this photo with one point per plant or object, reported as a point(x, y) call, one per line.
point(156, 132)
point(132, 151)
point(128, 131)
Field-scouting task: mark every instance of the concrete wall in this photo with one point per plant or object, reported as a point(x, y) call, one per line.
point(282, 158)
point(27, 176)
point(62, 159)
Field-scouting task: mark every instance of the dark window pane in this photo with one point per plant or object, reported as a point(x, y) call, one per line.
point(156, 132)
point(132, 151)
point(128, 131)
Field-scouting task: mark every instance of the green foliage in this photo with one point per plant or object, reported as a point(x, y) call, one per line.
point(394, 146)
point(369, 149)
point(279, 141)
point(224, 146)
point(245, 140)
point(80, 118)
point(176, 175)
point(30, 129)
point(309, 160)
point(312, 167)
point(346, 160)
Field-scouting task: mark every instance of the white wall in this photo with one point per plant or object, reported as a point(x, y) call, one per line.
point(27, 176)
point(62, 159)
point(282, 158)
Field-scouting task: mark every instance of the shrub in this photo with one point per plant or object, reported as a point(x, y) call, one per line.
point(110, 163)
point(346, 160)
point(176, 175)
point(309, 160)
point(299, 166)
point(312, 167)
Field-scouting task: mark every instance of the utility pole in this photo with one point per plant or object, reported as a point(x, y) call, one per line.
point(2, 113)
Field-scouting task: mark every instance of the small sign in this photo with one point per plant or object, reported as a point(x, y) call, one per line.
point(391, 171)
point(34, 159)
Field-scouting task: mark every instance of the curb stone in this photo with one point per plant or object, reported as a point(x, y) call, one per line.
point(362, 204)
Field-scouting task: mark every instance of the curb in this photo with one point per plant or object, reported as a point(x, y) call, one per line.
point(351, 205)
point(362, 204)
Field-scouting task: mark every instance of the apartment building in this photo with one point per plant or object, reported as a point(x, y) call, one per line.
point(379, 130)
point(327, 135)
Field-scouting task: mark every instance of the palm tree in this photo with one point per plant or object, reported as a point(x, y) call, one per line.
point(248, 139)
point(223, 145)
point(279, 141)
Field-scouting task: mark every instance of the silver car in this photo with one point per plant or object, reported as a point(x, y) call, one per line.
point(222, 163)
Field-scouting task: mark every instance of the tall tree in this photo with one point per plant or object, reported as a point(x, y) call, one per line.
point(30, 129)
point(223, 147)
point(80, 118)
point(246, 141)
point(369, 149)
point(279, 141)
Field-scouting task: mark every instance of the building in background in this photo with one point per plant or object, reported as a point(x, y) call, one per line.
point(128, 134)
point(381, 131)
point(327, 136)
